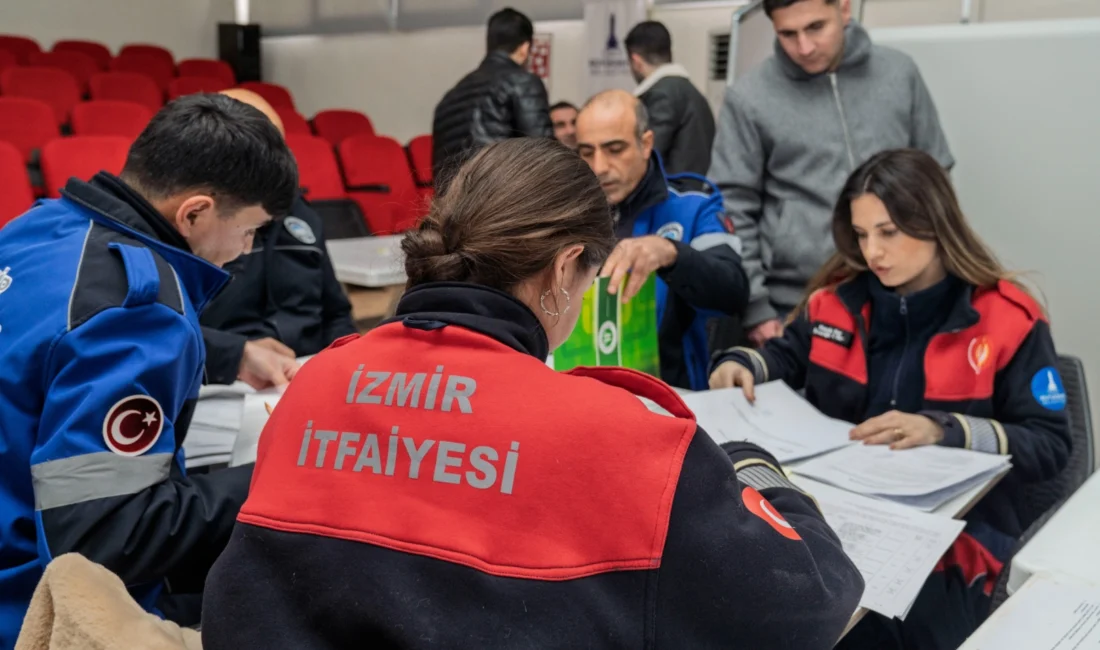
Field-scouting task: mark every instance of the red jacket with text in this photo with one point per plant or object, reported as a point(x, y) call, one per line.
point(433, 484)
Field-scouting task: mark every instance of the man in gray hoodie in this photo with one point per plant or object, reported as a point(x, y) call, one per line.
point(791, 131)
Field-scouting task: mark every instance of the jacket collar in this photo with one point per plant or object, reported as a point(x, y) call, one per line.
point(666, 70)
point(857, 49)
point(493, 313)
point(651, 191)
point(118, 206)
point(497, 57)
point(856, 293)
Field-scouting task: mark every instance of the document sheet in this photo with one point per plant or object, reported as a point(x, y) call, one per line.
point(1047, 613)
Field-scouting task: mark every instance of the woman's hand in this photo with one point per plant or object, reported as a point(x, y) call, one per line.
point(732, 373)
point(899, 430)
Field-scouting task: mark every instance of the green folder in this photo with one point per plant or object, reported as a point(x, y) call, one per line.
point(610, 333)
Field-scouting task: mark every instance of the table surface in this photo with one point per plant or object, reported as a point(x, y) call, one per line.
point(368, 261)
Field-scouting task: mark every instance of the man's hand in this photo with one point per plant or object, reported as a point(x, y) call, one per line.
point(639, 257)
point(899, 430)
point(731, 373)
point(266, 363)
point(769, 329)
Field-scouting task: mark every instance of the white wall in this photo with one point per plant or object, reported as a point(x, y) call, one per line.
point(187, 27)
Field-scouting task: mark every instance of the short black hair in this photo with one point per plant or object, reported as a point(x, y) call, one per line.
point(651, 41)
point(508, 30)
point(214, 144)
point(562, 105)
point(772, 5)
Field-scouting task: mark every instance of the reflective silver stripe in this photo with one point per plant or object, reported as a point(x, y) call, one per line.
point(761, 477)
point(966, 429)
point(985, 436)
point(69, 481)
point(1001, 437)
point(712, 239)
point(759, 366)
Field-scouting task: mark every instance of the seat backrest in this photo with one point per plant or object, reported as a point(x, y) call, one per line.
point(146, 51)
point(81, 157)
point(181, 86)
point(379, 179)
point(293, 122)
point(214, 68)
point(21, 46)
point(126, 87)
point(276, 95)
point(17, 196)
point(103, 117)
point(160, 71)
point(98, 51)
point(420, 156)
point(7, 60)
point(55, 87)
point(27, 123)
point(336, 124)
point(318, 173)
point(78, 64)
point(341, 218)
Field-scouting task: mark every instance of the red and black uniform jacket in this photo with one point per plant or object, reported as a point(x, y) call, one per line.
point(433, 484)
point(986, 372)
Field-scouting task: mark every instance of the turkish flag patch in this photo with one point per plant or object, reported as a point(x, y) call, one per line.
point(133, 425)
point(759, 506)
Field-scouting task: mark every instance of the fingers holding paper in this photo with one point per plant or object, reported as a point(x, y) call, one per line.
point(731, 374)
point(899, 430)
point(637, 257)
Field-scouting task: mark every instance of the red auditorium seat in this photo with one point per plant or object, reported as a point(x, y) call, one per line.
point(98, 51)
point(379, 179)
point(420, 156)
point(126, 87)
point(17, 196)
point(181, 86)
point(160, 71)
point(28, 124)
point(79, 65)
point(82, 157)
point(318, 173)
point(337, 124)
point(55, 87)
point(293, 122)
point(146, 51)
point(276, 95)
point(208, 68)
point(103, 117)
point(21, 46)
point(7, 60)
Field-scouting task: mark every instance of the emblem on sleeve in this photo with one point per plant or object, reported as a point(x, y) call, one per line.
point(133, 425)
point(300, 229)
point(672, 230)
point(759, 506)
point(979, 353)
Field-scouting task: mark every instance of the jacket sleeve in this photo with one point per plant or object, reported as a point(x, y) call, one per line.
point(926, 133)
point(662, 121)
point(708, 272)
point(786, 357)
point(128, 373)
point(750, 558)
point(1035, 433)
point(738, 167)
point(224, 351)
point(531, 107)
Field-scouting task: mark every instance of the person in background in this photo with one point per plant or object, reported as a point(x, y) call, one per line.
point(284, 301)
point(679, 116)
point(791, 131)
point(103, 356)
point(563, 116)
point(468, 523)
point(916, 332)
point(682, 236)
point(498, 100)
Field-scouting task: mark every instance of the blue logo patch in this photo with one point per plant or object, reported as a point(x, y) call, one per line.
point(1047, 388)
point(672, 230)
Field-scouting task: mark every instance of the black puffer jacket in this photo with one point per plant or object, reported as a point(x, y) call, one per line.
point(498, 100)
point(681, 120)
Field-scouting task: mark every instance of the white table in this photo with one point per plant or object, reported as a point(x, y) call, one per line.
point(368, 261)
point(1067, 544)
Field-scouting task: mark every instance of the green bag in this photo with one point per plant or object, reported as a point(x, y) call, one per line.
point(609, 333)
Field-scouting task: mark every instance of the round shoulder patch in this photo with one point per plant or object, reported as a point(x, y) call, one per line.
point(300, 229)
point(1048, 390)
point(133, 425)
point(759, 506)
point(672, 230)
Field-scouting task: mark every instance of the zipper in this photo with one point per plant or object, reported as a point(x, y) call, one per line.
point(843, 123)
point(897, 375)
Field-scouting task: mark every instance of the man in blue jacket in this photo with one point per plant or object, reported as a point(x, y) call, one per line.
point(103, 354)
point(684, 237)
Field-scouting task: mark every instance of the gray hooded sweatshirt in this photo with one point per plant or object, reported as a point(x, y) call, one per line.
point(787, 142)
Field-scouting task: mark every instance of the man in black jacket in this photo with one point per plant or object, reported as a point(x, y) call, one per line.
point(679, 115)
point(498, 100)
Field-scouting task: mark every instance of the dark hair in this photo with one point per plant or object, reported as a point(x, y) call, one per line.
point(562, 105)
point(651, 41)
point(508, 212)
point(921, 201)
point(772, 5)
point(508, 29)
point(217, 145)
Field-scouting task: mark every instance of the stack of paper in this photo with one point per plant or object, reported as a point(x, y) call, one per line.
point(1047, 613)
point(253, 418)
point(894, 547)
point(780, 421)
point(923, 477)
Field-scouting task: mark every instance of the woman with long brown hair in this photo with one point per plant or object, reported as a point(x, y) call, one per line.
point(914, 331)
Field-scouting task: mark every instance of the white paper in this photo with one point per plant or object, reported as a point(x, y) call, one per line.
point(1047, 613)
point(894, 547)
point(253, 419)
point(935, 474)
point(780, 421)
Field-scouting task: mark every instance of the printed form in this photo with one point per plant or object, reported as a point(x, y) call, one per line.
point(1047, 613)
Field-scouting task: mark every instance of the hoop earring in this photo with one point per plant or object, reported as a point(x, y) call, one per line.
point(546, 311)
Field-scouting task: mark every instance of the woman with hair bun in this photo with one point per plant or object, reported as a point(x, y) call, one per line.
point(433, 484)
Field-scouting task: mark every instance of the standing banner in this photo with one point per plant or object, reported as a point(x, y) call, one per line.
point(606, 24)
point(610, 333)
